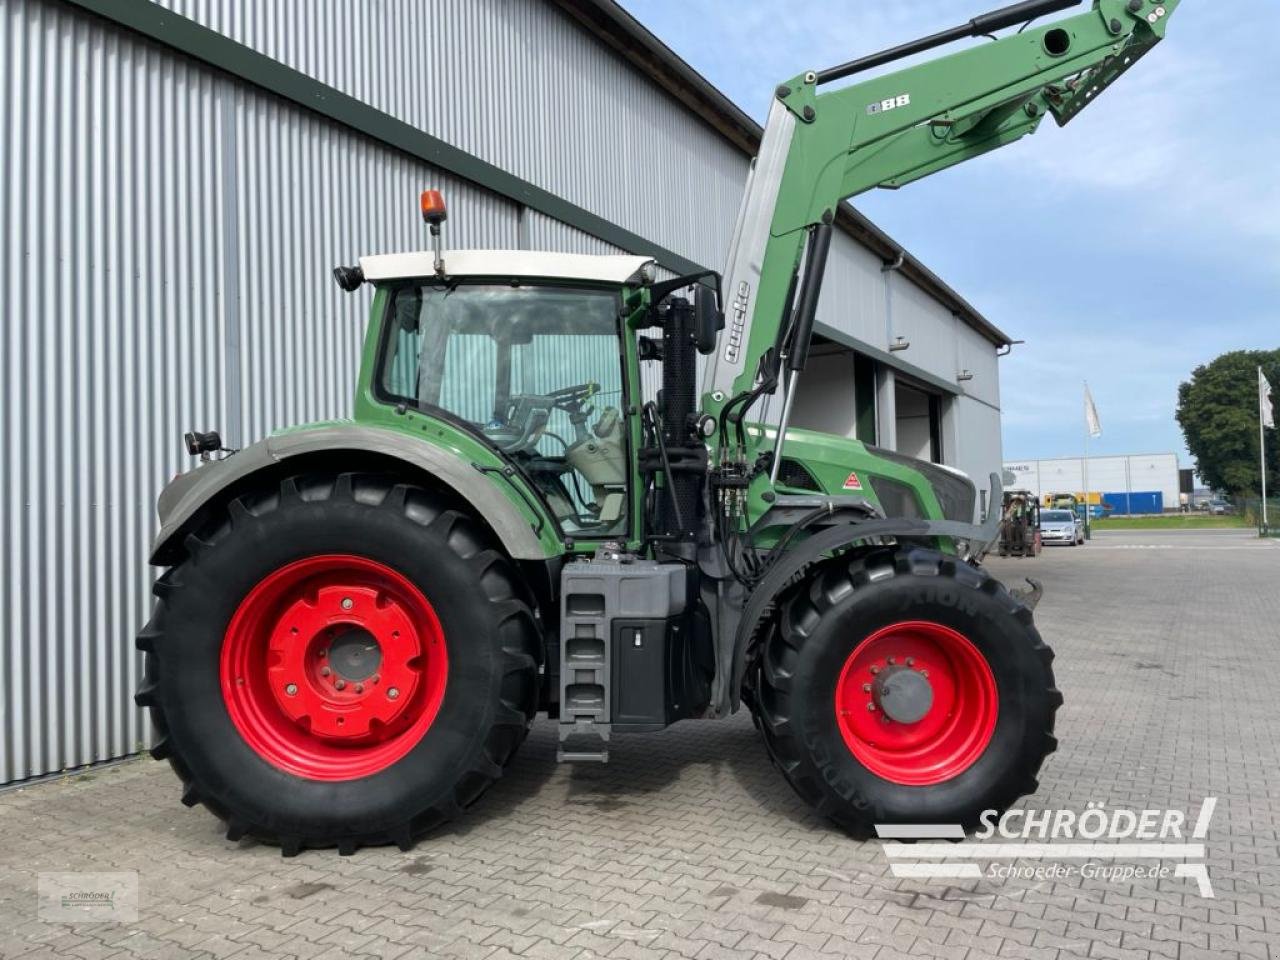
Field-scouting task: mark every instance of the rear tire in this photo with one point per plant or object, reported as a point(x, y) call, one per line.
point(979, 734)
point(274, 558)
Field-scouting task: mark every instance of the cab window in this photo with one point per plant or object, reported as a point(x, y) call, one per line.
point(537, 371)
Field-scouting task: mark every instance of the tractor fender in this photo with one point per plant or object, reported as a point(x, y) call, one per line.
point(825, 542)
point(183, 499)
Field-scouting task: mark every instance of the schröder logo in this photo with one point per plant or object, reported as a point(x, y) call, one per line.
point(1120, 845)
point(1095, 823)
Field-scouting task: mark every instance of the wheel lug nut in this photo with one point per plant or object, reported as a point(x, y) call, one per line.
point(359, 688)
point(291, 689)
point(866, 688)
point(874, 670)
point(325, 671)
point(871, 707)
point(911, 661)
point(347, 603)
point(892, 661)
point(392, 693)
point(340, 684)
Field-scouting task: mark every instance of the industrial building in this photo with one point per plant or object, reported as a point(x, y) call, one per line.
point(178, 178)
point(1127, 484)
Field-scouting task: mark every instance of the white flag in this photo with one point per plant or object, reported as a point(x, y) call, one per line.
point(1264, 400)
point(1091, 414)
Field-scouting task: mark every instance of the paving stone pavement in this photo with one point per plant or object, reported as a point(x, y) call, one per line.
point(689, 845)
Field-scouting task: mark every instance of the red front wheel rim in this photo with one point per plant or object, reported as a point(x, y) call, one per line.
point(333, 667)
point(916, 703)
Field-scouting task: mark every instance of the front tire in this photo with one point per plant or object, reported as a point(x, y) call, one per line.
point(904, 686)
point(339, 661)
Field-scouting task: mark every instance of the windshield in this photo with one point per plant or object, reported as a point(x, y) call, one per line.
point(537, 371)
point(1056, 516)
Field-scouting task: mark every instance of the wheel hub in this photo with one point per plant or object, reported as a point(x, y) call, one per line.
point(342, 650)
point(903, 694)
point(333, 667)
point(354, 654)
point(916, 703)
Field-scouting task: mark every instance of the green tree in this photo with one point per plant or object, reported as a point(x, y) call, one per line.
point(1218, 413)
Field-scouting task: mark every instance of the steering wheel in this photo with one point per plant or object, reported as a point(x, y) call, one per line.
point(574, 402)
point(528, 413)
point(572, 398)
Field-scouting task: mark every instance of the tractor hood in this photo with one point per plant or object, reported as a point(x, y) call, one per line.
point(902, 486)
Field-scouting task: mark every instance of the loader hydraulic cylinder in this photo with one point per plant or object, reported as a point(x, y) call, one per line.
point(977, 27)
point(815, 268)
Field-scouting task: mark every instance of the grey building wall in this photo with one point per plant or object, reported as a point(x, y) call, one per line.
point(168, 235)
point(1123, 473)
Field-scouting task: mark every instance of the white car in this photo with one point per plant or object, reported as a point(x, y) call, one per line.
point(1061, 526)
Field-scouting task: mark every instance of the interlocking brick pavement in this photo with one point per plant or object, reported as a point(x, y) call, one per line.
point(689, 845)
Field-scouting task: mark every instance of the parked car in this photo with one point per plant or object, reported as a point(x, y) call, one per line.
point(1220, 507)
point(1061, 526)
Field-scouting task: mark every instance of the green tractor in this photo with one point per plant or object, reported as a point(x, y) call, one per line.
point(360, 619)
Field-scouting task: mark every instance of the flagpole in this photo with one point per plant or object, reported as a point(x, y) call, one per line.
point(1262, 444)
point(1084, 469)
point(1084, 465)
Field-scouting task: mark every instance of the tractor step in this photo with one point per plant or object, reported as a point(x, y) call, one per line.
point(564, 756)
point(585, 668)
point(583, 742)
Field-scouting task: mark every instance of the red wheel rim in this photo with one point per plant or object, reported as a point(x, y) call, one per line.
point(333, 667)
point(959, 711)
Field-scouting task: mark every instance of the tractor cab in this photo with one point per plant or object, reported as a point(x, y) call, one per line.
point(522, 349)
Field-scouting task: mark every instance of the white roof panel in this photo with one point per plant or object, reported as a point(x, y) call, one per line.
point(504, 263)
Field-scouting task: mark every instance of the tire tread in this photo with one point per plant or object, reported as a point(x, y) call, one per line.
point(512, 616)
point(772, 689)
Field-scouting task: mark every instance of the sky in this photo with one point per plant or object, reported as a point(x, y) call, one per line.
point(1126, 249)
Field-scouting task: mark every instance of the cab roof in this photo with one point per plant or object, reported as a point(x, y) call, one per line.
point(619, 268)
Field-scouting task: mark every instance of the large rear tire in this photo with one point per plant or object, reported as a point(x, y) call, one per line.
point(339, 661)
point(904, 686)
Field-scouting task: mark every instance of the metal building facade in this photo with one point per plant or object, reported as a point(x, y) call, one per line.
point(169, 228)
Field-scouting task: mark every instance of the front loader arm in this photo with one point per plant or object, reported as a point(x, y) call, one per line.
point(900, 127)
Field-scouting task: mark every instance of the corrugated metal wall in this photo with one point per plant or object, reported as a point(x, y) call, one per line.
point(168, 235)
point(559, 109)
point(111, 207)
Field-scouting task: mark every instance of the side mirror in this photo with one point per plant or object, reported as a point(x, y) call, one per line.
point(708, 321)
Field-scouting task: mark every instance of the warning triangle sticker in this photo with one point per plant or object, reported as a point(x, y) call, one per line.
point(853, 483)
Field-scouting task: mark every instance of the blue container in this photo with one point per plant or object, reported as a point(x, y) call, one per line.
point(1146, 501)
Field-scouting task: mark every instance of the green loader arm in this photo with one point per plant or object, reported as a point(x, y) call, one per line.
point(956, 107)
point(823, 147)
